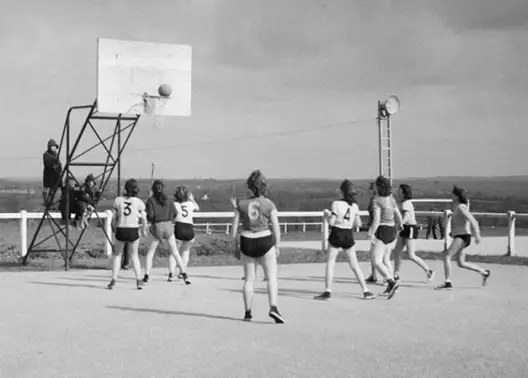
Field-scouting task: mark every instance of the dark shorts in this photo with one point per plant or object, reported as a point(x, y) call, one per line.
point(127, 234)
point(341, 238)
point(162, 230)
point(409, 232)
point(387, 234)
point(183, 231)
point(466, 238)
point(256, 247)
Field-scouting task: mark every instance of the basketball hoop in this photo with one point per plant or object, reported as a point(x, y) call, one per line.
point(153, 107)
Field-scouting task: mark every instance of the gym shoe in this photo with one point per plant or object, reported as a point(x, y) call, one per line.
point(248, 316)
point(444, 286)
point(371, 279)
point(185, 279)
point(485, 277)
point(171, 277)
point(275, 315)
point(369, 295)
point(396, 277)
point(324, 297)
point(430, 275)
point(139, 284)
point(111, 285)
point(146, 279)
point(392, 287)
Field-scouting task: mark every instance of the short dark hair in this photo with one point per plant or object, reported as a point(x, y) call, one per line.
point(256, 182)
point(406, 191)
point(349, 192)
point(460, 194)
point(383, 186)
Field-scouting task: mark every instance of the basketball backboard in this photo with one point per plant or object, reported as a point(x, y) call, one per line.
point(126, 70)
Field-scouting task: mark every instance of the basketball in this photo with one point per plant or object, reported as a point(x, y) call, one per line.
point(165, 90)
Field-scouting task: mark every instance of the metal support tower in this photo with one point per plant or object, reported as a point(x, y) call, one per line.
point(385, 143)
point(112, 147)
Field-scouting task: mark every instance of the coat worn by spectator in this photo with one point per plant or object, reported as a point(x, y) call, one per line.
point(52, 171)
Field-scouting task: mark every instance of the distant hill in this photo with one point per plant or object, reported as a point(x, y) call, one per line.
point(492, 194)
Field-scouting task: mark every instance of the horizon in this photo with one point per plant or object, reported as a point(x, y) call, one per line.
point(296, 101)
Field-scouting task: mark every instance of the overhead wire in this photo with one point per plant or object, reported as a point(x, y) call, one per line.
point(223, 140)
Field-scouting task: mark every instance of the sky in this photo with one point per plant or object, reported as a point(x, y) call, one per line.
point(263, 72)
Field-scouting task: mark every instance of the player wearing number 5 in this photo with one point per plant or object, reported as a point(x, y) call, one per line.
point(127, 210)
point(184, 206)
point(344, 216)
point(258, 244)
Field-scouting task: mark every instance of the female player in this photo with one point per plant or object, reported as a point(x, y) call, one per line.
point(344, 216)
point(382, 232)
point(258, 243)
point(408, 235)
point(127, 211)
point(184, 207)
point(463, 224)
point(160, 212)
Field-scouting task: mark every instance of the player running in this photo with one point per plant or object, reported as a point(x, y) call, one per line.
point(408, 235)
point(463, 225)
point(383, 231)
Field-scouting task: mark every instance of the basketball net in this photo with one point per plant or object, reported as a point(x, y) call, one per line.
point(153, 107)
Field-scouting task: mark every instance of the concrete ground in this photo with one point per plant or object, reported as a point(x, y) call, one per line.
point(66, 324)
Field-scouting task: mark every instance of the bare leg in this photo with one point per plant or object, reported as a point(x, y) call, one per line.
point(134, 256)
point(411, 248)
point(269, 265)
point(387, 260)
point(116, 259)
point(354, 265)
point(330, 267)
point(400, 244)
point(249, 281)
point(154, 242)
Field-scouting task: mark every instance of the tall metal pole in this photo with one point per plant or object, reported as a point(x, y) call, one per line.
point(380, 141)
point(67, 197)
point(119, 152)
point(389, 150)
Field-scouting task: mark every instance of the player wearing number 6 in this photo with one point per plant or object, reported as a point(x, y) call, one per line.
point(184, 206)
point(344, 216)
point(258, 244)
point(127, 210)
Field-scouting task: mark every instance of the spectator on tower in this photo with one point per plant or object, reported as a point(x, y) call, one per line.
point(52, 172)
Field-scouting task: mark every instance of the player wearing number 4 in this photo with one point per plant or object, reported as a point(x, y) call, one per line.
point(184, 206)
point(160, 213)
point(344, 216)
point(127, 210)
point(258, 244)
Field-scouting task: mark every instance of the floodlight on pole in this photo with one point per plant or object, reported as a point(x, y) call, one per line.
point(386, 109)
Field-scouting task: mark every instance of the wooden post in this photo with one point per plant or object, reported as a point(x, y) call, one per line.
point(23, 233)
point(108, 230)
point(511, 233)
point(325, 230)
point(447, 232)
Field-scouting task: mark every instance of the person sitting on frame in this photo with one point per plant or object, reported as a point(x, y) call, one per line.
point(51, 173)
point(88, 197)
point(74, 195)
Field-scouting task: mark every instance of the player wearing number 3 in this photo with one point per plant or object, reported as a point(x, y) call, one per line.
point(258, 244)
point(344, 216)
point(127, 210)
point(184, 206)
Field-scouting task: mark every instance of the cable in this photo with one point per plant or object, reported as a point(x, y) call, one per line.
point(226, 140)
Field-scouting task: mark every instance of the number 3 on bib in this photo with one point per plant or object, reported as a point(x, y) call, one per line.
point(254, 210)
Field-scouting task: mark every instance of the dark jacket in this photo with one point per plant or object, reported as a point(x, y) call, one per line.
point(158, 213)
point(52, 169)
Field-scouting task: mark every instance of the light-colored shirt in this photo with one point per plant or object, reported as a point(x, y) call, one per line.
point(185, 212)
point(346, 214)
point(128, 211)
point(255, 213)
point(408, 207)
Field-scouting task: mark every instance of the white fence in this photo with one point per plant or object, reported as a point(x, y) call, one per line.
point(23, 216)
